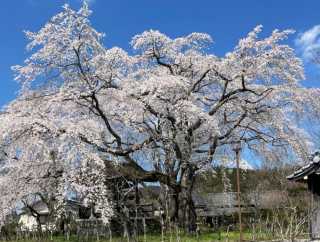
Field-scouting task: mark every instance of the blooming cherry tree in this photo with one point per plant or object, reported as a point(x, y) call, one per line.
point(160, 115)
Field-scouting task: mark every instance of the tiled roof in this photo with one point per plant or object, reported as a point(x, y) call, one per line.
point(312, 167)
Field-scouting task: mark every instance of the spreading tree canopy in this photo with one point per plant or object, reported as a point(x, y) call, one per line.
point(162, 114)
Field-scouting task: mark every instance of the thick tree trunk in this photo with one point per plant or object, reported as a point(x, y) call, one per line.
point(187, 213)
point(182, 210)
point(171, 205)
point(179, 206)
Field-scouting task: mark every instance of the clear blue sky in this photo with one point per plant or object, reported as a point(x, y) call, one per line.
point(225, 20)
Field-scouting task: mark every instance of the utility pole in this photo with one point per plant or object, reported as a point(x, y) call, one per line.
point(237, 150)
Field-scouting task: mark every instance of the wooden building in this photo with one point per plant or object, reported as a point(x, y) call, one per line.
point(310, 174)
point(74, 210)
point(218, 209)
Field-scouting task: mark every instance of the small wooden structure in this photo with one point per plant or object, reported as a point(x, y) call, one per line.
point(91, 228)
point(310, 174)
point(218, 209)
point(220, 204)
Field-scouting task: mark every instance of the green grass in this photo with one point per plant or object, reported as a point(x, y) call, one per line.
point(205, 237)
